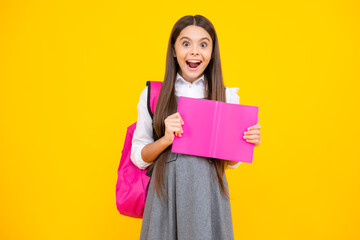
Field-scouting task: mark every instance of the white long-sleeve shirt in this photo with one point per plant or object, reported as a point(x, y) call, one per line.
point(143, 133)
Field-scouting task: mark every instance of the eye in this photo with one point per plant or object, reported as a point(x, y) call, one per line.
point(204, 43)
point(185, 42)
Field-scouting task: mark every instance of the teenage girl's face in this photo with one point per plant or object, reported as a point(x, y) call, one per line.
point(193, 49)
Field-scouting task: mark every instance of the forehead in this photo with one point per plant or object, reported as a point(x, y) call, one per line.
point(194, 33)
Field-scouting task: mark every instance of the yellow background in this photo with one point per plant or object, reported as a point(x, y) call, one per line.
point(71, 74)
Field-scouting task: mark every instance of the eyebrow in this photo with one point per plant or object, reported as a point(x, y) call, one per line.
point(200, 38)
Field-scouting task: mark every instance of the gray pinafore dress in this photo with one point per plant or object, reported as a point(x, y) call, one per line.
point(197, 209)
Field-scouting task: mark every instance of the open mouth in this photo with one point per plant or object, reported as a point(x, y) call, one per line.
point(193, 64)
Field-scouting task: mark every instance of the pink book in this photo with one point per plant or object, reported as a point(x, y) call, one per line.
point(215, 129)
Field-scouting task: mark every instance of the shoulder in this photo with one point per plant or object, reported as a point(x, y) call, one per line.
point(143, 95)
point(144, 91)
point(232, 95)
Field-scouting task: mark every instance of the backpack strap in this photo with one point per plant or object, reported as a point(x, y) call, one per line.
point(154, 88)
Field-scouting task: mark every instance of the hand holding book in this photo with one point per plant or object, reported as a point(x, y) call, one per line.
point(173, 127)
point(253, 135)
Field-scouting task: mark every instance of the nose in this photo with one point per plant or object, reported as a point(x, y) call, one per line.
point(194, 51)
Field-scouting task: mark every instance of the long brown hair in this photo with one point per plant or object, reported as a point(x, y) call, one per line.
point(166, 104)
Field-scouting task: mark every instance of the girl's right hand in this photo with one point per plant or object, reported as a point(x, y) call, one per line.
point(173, 127)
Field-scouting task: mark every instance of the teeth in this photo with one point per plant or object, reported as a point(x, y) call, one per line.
point(194, 61)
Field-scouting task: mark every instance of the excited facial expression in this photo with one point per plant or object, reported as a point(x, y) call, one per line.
point(193, 49)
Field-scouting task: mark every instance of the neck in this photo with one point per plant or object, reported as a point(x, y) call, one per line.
point(191, 80)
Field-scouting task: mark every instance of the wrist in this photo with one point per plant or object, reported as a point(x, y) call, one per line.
point(232, 162)
point(165, 142)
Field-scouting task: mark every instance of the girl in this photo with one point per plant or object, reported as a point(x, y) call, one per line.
point(188, 195)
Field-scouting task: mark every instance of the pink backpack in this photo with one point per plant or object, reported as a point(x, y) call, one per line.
point(132, 182)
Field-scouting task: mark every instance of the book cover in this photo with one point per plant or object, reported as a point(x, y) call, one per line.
point(215, 129)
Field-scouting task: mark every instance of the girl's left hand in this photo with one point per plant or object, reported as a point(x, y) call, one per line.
point(253, 134)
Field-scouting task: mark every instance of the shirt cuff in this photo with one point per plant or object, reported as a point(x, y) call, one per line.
point(234, 166)
point(138, 161)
